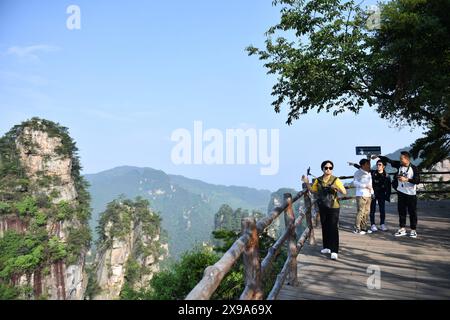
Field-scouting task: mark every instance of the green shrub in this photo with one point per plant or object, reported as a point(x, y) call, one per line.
point(43, 201)
point(92, 288)
point(77, 239)
point(177, 281)
point(27, 206)
point(23, 263)
point(133, 270)
point(65, 210)
point(5, 208)
point(8, 292)
point(41, 219)
point(57, 249)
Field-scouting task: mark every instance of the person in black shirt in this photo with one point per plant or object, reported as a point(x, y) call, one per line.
point(381, 183)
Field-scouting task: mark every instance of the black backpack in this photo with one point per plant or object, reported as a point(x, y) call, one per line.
point(326, 195)
point(395, 182)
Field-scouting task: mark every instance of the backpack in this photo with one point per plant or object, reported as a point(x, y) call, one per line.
point(326, 195)
point(395, 182)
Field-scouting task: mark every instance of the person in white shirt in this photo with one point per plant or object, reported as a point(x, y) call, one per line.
point(364, 191)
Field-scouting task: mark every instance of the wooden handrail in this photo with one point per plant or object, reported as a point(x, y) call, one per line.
point(287, 267)
point(214, 274)
point(247, 245)
point(289, 221)
point(252, 266)
point(281, 278)
point(263, 223)
point(266, 264)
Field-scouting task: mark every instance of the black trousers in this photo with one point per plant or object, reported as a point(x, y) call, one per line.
point(407, 204)
point(373, 206)
point(329, 218)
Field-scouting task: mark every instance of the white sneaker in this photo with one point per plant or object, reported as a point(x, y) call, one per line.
point(374, 228)
point(400, 233)
point(357, 231)
point(334, 256)
point(413, 234)
point(383, 227)
point(369, 231)
point(325, 251)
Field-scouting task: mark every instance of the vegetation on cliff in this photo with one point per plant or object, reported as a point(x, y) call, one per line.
point(132, 227)
point(29, 214)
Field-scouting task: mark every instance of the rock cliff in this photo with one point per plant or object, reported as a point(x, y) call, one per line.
point(44, 210)
point(129, 249)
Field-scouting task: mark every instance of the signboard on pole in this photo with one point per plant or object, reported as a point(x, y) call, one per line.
point(368, 150)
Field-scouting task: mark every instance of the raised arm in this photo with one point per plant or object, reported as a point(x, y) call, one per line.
point(357, 166)
point(305, 180)
point(393, 163)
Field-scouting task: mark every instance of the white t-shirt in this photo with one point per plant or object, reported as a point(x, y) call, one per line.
point(406, 187)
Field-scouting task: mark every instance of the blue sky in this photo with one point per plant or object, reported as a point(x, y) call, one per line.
point(138, 70)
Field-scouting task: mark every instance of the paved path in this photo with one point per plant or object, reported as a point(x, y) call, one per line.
point(410, 268)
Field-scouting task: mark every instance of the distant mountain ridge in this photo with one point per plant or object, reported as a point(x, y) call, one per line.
point(187, 206)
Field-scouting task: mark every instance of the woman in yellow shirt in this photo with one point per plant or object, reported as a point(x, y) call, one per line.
point(326, 188)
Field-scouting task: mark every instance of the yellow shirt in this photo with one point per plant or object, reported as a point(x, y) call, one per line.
point(337, 183)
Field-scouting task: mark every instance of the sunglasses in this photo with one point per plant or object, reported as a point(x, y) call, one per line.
point(327, 168)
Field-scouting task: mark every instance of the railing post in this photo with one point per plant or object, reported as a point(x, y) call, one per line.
point(308, 203)
point(308, 214)
point(289, 220)
point(252, 263)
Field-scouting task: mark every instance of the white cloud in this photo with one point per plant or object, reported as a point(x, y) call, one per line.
point(31, 52)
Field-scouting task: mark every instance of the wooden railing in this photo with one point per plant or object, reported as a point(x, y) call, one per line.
point(247, 245)
point(423, 173)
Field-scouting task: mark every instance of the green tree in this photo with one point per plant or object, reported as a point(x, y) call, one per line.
point(8, 292)
point(5, 208)
point(27, 206)
point(327, 59)
point(57, 249)
point(222, 219)
point(178, 280)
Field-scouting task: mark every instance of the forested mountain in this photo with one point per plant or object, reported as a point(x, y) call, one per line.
point(186, 206)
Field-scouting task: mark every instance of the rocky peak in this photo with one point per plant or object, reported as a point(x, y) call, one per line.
point(44, 209)
point(129, 249)
point(41, 154)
